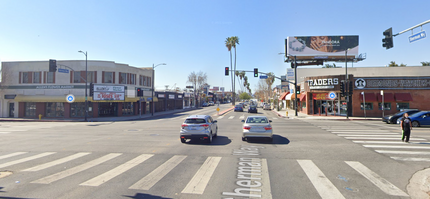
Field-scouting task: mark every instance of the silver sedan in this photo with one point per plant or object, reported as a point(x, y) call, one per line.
point(257, 127)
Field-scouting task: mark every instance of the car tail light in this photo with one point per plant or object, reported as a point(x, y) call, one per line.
point(268, 128)
point(205, 125)
point(247, 127)
point(184, 125)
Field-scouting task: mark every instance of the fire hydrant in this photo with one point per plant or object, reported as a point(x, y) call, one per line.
point(40, 116)
point(286, 113)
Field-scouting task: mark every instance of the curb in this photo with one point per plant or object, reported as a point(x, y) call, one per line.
point(224, 112)
point(418, 186)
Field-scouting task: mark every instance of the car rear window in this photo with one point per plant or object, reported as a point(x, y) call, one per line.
point(195, 121)
point(256, 120)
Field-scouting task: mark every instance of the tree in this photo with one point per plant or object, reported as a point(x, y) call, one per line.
point(330, 66)
point(393, 64)
point(425, 63)
point(197, 80)
point(244, 96)
point(233, 41)
point(228, 44)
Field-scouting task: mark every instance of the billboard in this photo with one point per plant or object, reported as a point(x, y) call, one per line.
point(322, 47)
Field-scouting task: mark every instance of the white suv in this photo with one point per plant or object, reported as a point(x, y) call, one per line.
point(201, 127)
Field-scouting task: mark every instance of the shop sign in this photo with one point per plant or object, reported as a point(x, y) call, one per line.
point(325, 83)
point(171, 96)
point(187, 95)
point(179, 96)
point(108, 96)
point(320, 96)
point(393, 83)
point(102, 88)
point(160, 95)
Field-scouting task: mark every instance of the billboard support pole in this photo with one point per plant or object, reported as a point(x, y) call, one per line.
point(346, 84)
point(295, 84)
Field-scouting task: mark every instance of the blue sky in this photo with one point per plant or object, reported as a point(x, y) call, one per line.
point(189, 35)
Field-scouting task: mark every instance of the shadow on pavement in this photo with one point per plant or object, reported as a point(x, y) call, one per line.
point(145, 196)
point(219, 140)
point(277, 139)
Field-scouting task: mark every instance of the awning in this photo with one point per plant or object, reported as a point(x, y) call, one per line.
point(294, 96)
point(403, 97)
point(388, 97)
point(368, 97)
point(60, 98)
point(303, 97)
point(288, 96)
point(283, 96)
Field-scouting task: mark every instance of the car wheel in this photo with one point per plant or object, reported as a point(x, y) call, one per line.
point(243, 139)
point(415, 124)
point(210, 138)
point(216, 134)
point(183, 140)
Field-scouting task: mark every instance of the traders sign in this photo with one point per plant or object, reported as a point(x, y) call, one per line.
point(323, 83)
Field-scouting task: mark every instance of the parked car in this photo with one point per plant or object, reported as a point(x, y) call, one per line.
point(252, 109)
point(238, 107)
point(391, 119)
point(201, 127)
point(205, 104)
point(211, 103)
point(267, 107)
point(418, 119)
point(257, 127)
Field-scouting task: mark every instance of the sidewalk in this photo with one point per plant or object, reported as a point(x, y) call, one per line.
point(108, 119)
point(290, 113)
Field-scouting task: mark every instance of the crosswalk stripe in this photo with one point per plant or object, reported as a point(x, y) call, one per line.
point(56, 162)
point(11, 155)
point(355, 130)
point(379, 138)
point(116, 171)
point(377, 180)
point(412, 159)
point(4, 132)
point(242, 117)
point(371, 135)
point(325, 188)
point(200, 180)
point(220, 117)
point(274, 118)
point(77, 169)
point(148, 181)
point(404, 152)
point(25, 159)
point(363, 133)
point(266, 189)
point(378, 142)
point(231, 117)
point(399, 147)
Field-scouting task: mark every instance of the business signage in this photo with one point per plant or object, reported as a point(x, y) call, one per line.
point(222, 89)
point(108, 96)
point(290, 74)
point(321, 96)
point(187, 95)
point(179, 96)
point(322, 47)
point(323, 83)
point(171, 96)
point(215, 88)
point(161, 95)
point(392, 83)
point(102, 88)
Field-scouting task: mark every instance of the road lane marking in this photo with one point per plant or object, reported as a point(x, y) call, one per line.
point(404, 152)
point(200, 180)
point(220, 117)
point(11, 155)
point(152, 178)
point(371, 135)
point(242, 117)
point(398, 147)
point(363, 133)
point(377, 180)
point(266, 190)
point(56, 162)
point(4, 132)
point(411, 159)
point(26, 159)
point(377, 138)
point(116, 171)
point(378, 142)
point(325, 188)
point(77, 169)
point(274, 118)
point(355, 130)
point(231, 117)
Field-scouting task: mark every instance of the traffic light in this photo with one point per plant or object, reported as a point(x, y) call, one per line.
point(255, 72)
point(342, 89)
point(52, 65)
point(139, 92)
point(387, 42)
point(226, 71)
point(292, 65)
point(350, 87)
point(91, 89)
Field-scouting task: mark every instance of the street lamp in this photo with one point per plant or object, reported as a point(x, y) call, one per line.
point(153, 77)
point(86, 83)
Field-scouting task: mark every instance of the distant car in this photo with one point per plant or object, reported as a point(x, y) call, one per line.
point(391, 119)
point(211, 103)
point(421, 118)
point(257, 127)
point(238, 108)
point(205, 104)
point(252, 109)
point(267, 107)
point(201, 127)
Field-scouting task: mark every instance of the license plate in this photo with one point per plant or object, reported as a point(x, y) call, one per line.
point(192, 128)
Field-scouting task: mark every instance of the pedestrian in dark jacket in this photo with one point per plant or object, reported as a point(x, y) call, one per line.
point(406, 125)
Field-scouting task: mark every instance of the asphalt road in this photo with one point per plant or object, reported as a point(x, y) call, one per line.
point(145, 159)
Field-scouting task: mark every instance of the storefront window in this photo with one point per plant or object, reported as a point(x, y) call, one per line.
point(387, 106)
point(401, 106)
point(54, 109)
point(50, 77)
point(77, 109)
point(303, 104)
point(127, 108)
point(369, 106)
point(36, 77)
point(30, 109)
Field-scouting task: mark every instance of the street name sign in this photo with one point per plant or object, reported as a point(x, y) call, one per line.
point(263, 76)
point(62, 70)
point(418, 36)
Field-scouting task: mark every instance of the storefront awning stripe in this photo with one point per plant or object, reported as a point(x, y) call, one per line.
point(388, 97)
point(294, 96)
point(303, 97)
point(283, 96)
point(59, 98)
point(403, 97)
point(288, 96)
point(368, 97)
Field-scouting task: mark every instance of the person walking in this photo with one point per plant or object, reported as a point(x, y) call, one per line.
point(405, 123)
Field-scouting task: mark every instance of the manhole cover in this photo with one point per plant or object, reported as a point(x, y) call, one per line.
point(5, 174)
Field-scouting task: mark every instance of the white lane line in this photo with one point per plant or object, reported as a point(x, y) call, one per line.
point(355, 130)
point(231, 117)
point(378, 142)
point(4, 132)
point(377, 180)
point(322, 184)
point(411, 159)
point(77, 169)
point(376, 138)
point(11, 155)
point(404, 152)
point(152, 178)
point(398, 147)
point(371, 135)
point(265, 187)
point(220, 117)
point(198, 183)
point(116, 171)
point(26, 159)
point(242, 117)
point(363, 133)
point(274, 118)
point(56, 162)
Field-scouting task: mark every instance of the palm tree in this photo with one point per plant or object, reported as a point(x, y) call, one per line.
point(228, 45)
point(234, 41)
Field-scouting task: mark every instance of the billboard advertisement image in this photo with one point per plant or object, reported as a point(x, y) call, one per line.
point(322, 47)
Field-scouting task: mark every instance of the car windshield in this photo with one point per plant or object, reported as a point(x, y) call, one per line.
point(256, 120)
point(195, 121)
